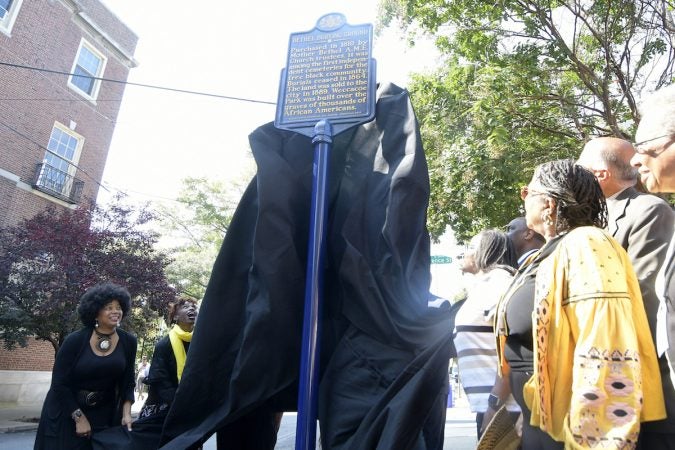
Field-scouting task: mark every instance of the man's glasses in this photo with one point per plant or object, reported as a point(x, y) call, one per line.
point(525, 191)
point(639, 146)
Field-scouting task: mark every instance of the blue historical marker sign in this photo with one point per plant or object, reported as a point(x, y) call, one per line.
point(329, 75)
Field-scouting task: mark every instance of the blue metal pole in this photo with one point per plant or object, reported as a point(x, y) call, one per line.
point(305, 432)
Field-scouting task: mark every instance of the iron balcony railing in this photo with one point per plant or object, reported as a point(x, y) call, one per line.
point(57, 183)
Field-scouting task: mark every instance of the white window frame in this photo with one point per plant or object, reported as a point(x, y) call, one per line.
point(101, 70)
point(7, 22)
point(72, 169)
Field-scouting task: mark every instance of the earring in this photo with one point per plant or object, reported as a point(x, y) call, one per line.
point(96, 323)
point(547, 218)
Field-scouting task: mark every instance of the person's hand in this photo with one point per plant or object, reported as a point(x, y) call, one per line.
point(126, 420)
point(83, 427)
point(487, 417)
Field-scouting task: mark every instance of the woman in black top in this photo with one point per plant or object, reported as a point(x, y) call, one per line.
point(165, 372)
point(568, 184)
point(168, 360)
point(93, 377)
point(518, 345)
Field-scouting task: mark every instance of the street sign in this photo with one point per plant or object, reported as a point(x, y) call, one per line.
point(440, 259)
point(329, 75)
point(327, 87)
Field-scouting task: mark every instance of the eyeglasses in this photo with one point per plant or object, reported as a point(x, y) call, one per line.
point(650, 151)
point(525, 191)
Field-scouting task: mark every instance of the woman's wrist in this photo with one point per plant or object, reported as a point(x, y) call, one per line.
point(494, 402)
point(76, 415)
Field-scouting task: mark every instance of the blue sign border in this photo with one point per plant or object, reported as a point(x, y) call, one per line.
point(328, 23)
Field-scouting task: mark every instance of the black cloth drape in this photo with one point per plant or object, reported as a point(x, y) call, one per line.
point(145, 435)
point(377, 331)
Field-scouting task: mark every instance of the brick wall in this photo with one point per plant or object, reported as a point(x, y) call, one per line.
point(38, 355)
point(19, 204)
point(47, 35)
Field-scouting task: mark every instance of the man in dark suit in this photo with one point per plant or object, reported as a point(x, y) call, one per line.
point(643, 225)
point(525, 240)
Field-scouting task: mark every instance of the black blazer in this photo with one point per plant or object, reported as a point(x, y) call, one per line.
point(162, 379)
point(60, 401)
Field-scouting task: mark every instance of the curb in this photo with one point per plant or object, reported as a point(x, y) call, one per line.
point(11, 426)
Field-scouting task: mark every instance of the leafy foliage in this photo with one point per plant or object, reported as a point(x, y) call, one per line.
point(48, 261)
point(522, 82)
point(197, 228)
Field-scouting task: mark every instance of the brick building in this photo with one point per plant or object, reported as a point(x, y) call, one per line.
point(55, 128)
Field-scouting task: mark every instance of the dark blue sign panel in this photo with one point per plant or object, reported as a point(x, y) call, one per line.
point(330, 74)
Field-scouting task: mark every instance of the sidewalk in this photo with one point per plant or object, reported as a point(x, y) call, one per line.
point(460, 425)
point(15, 418)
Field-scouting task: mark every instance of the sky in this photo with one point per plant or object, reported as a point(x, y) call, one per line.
point(234, 49)
point(228, 48)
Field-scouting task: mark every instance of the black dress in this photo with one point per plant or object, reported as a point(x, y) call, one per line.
point(77, 368)
point(519, 347)
point(162, 381)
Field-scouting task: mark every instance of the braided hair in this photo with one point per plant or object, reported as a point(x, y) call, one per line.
point(494, 248)
point(579, 199)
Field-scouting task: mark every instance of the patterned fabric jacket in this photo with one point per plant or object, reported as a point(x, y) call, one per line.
point(596, 375)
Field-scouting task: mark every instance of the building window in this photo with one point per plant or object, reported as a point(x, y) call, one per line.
point(56, 173)
point(5, 6)
point(88, 63)
point(8, 11)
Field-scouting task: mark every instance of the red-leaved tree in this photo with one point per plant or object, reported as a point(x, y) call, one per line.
point(48, 261)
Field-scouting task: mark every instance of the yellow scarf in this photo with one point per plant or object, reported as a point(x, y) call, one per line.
point(177, 336)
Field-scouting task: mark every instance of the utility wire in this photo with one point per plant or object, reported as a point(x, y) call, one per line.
point(144, 194)
point(14, 130)
point(150, 86)
point(106, 188)
point(125, 192)
point(28, 99)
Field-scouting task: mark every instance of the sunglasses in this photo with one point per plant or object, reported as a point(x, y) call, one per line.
point(525, 191)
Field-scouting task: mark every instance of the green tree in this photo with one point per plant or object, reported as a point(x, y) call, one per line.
point(196, 227)
point(522, 82)
point(49, 260)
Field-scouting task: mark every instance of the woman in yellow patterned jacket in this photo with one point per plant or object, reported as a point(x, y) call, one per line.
point(574, 343)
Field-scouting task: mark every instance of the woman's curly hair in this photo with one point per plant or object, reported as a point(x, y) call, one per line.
point(97, 297)
point(579, 199)
point(173, 307)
